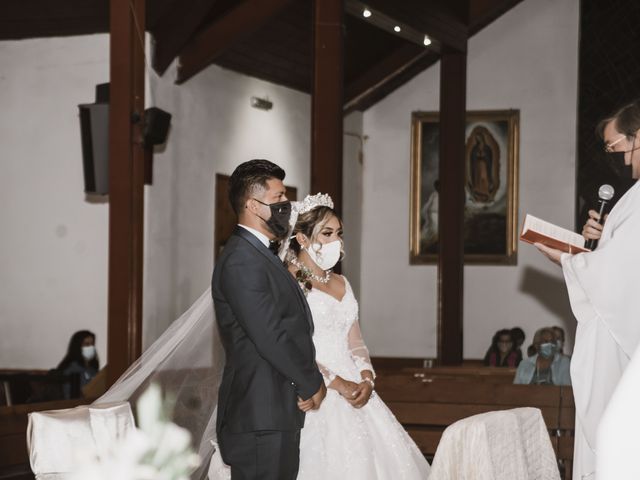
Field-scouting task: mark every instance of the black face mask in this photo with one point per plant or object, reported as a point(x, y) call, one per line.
point(278, 223)
point(616, 162)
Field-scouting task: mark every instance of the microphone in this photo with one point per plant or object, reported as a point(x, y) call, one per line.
point(605, 193)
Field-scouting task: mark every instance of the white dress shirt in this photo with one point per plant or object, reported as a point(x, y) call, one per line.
point(259, 235)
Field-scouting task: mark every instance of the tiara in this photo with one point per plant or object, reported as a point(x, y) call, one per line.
point(313, 201)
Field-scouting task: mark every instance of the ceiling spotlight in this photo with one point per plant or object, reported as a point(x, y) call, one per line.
point(366, 13)
point(396, 29)
point(426, 41)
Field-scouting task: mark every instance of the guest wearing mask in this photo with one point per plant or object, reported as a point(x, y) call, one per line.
point(81, 358)
point(502, 351)
point(547, 366)
point(559, 331)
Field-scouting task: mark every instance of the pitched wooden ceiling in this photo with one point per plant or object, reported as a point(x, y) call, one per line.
point(272, 39)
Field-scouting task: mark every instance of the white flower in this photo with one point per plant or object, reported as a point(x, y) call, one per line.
point(158, 450)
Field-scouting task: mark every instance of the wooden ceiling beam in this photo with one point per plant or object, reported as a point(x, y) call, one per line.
point(381, 73)
point(386, 77)
point(215, 39)
point(171, 36)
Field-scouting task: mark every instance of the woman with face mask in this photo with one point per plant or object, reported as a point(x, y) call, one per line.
point(502, 352)
point(81, 358)
point(353, 434)
point(547, 366)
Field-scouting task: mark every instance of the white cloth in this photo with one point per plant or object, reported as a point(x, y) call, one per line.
point(505, 445)
point(603, 290)
point(59, 439)
point(618, 430)
point(339, 441)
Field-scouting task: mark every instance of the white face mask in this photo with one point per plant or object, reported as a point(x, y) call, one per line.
point(325, 256)
point(89, 352)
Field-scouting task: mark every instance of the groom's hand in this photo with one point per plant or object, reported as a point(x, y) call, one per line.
point(305, 405)
point(318, 397)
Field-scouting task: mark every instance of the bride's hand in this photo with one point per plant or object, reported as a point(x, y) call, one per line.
point(363, 394)
point(344, 387)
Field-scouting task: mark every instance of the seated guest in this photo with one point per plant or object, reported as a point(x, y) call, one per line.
point(559, 332)
point(547, 366)
point(81, 358)
point(502, 351)
point(518, 337)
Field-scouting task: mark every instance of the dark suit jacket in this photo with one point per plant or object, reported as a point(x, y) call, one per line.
point(266, 326)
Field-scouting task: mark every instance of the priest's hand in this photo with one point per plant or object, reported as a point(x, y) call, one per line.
point(551, 253)
point(592, 230)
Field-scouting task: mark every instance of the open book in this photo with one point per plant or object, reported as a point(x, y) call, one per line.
point(535, 230)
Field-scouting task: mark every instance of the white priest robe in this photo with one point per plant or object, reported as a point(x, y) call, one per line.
point(619, 427)
point(604, 291)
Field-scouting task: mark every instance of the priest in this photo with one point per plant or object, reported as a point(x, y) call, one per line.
point(603, 288)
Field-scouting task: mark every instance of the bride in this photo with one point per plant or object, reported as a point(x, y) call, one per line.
point(353, 434)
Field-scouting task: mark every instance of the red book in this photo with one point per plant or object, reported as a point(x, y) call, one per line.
point(535, 230)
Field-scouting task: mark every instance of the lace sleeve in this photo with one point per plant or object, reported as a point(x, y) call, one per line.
point(358, 349)
point(327, 374)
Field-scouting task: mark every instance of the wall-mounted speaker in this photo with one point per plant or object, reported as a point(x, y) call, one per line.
point(94, 131)
point(156, 126)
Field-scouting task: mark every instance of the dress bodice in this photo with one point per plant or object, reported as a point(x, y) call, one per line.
point(333, 319)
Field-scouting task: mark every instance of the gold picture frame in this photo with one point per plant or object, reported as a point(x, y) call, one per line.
point(491, 187)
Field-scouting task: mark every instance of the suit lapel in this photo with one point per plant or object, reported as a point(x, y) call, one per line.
point(259, 246)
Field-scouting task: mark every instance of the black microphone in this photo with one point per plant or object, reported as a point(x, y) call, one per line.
point(605, 193)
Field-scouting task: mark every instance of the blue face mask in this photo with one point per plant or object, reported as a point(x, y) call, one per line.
point(547, 350)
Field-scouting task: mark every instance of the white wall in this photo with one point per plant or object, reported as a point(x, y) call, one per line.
point(53, 246)
point(352, 198)
point(526, 60)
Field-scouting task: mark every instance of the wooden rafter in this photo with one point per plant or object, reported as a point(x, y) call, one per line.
point(235, 25)
point(382, 73)
point(171, 36)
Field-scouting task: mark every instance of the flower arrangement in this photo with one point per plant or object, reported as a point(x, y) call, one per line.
point(157, 450)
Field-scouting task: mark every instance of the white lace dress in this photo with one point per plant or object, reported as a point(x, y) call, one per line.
point(339, 441)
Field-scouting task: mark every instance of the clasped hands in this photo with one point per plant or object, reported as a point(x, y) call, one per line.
point(357, 394)
point(592, 230)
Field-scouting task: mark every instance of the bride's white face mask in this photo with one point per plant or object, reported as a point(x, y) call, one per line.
point(325, 255)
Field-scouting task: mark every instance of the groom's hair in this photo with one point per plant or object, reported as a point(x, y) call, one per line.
point(249, 178)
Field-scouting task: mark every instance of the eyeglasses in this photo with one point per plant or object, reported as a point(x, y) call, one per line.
point(608, 147)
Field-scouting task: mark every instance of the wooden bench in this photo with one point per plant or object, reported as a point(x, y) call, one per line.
point(36, 386)
point(427, 402)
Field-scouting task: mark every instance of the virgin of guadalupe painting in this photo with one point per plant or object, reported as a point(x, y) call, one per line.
point(491, 169)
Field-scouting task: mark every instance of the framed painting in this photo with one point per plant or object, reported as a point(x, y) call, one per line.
point(490, 183)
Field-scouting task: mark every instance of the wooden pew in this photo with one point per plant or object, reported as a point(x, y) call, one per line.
point(426, 402)
point(14, 457)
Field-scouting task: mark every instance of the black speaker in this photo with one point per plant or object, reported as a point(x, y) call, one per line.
point(94, 130)
point(156, 126)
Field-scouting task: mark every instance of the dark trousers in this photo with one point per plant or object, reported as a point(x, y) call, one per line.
point(264, 455)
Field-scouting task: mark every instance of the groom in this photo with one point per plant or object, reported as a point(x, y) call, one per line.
point(266, 328)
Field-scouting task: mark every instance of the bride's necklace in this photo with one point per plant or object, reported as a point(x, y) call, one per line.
point(304, 273)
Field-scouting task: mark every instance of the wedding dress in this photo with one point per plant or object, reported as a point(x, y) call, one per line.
point(339, 441)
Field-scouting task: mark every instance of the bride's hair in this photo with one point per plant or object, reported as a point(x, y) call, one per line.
point(310, 224)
